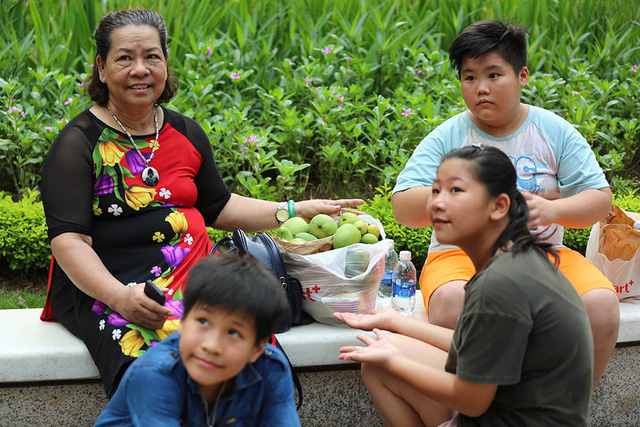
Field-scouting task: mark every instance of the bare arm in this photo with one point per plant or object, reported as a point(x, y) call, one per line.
point(471, 399)
point(80, 262)
point(392, 321)
point(410, 207)
point(254, 215)
point(435, 335)
point(578, 211)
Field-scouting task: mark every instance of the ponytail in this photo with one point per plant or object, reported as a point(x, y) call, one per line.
point(518, 233)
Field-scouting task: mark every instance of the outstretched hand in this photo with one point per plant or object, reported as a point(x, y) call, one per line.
point(379, 351)
point(380, 319)
point(310, 208)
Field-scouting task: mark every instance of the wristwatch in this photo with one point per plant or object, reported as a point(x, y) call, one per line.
point(282, 213)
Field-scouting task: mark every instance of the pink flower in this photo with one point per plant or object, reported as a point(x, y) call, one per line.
point(406, 112)
point(156, 270)
point(292, 63)
point(327, 50)
point(308, 80)
point(48, 128)
point(234, 76)
point(13, 110)
point(547, 75)
point(251, 139)
point(348, 58)
point(419, 72)
point(209, 51)
point(22, 113)
point(634, 68)
point(244, 148)
point(81, 84)
point(575, 92)
point(91, 65)
point(68, 101)
point(13, 100)
point(340, 97)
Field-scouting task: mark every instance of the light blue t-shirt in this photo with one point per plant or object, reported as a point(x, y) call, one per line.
point(551, 159)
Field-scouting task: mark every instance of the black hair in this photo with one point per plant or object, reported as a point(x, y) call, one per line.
point(98, 91)
point(503, 37)
point(493, 169)
point(238, 283)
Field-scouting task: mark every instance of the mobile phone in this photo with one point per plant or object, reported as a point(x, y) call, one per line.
point(153, 291)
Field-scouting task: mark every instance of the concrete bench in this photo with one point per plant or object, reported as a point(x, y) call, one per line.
point(48, 378)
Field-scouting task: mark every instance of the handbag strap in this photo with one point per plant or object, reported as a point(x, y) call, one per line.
point(226, 240)
point(294, 376)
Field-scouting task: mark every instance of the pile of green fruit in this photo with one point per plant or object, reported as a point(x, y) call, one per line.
point(348, 230)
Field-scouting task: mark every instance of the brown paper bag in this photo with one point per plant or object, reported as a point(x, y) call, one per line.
point(618, 238)
point(614, 248)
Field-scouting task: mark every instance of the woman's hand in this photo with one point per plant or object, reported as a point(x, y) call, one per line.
point(136, 307)
point(377, 352)
point(310, 208)
point(381, 319)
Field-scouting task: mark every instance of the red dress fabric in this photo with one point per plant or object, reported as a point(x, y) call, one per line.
point(92, 185)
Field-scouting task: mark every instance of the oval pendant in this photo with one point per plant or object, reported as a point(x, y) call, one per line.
point(150, 176)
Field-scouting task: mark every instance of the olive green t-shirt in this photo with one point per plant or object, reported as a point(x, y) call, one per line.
point(524, 328)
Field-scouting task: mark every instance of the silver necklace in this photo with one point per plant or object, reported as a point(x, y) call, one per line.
point(215, 406)
point(150, 175)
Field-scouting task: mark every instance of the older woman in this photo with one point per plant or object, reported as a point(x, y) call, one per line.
point(128, 188)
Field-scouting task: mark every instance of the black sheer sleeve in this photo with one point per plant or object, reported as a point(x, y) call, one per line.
point(67, 179)
point(213, 193)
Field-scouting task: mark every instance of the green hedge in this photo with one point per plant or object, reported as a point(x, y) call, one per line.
point(24, 246)
point(23, 233)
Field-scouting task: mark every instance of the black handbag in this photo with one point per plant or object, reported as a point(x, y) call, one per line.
point(264, 249)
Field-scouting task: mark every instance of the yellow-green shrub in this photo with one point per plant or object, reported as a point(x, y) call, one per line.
point(23, 233)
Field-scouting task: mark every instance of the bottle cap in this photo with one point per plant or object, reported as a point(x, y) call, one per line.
point(392, 242)
point(406, 255)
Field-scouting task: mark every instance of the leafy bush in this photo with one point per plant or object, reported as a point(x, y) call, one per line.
point(325, 98)
point(24, 246)
point(416, 240)
point(215, 234)
point(23, 233)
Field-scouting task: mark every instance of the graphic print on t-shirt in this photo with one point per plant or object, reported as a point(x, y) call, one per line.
point(526, 170)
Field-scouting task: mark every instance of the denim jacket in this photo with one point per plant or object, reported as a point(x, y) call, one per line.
point(157, 390)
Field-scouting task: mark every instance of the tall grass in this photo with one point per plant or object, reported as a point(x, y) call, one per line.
point(58, 34)
point(337, 93)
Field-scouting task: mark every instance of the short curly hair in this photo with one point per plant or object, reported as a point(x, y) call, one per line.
point(98, 91)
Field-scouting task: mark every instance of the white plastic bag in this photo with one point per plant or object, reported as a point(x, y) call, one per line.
point(344, 279)
point(614, 248)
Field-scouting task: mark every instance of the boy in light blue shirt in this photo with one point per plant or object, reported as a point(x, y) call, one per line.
point(218, 368)
point(556, 170)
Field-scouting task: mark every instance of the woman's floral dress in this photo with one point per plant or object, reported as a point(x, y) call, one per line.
point(91, 185)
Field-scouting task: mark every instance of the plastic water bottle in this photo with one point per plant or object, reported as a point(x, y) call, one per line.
point(384, 291)
point(404, 285)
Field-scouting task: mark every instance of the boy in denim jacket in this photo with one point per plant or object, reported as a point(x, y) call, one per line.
point(218, 369)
